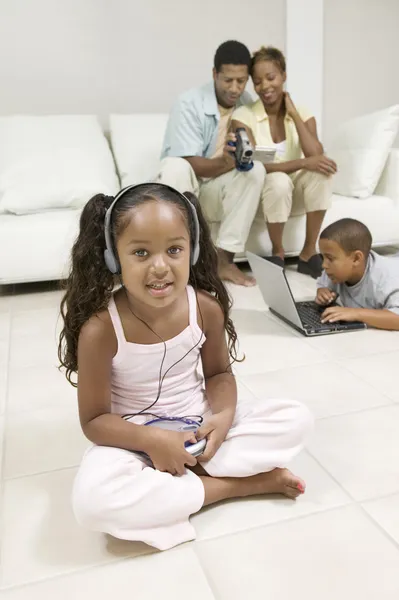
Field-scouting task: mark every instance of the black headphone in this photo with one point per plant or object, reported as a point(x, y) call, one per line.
point(110, 257)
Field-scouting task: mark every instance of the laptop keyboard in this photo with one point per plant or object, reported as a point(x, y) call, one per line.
point(310, 314)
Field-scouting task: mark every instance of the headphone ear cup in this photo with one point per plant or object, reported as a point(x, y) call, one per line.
point(195, 254)
point(195, 244)
point(111, 262)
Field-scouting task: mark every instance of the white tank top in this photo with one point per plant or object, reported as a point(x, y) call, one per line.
point(135, 370)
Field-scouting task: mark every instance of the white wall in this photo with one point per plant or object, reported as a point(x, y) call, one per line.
point(103, 56)
point(304, 49)
point(361, 41)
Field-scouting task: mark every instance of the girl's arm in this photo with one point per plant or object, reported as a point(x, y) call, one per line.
point(220, 383)
point(96, 348)
point(307, 132)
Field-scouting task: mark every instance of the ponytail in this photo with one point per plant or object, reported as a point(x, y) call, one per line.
point(89, 286)
point(204, 275)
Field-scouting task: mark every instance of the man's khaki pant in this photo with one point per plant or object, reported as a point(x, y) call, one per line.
point(302, 192)
point(231, 199)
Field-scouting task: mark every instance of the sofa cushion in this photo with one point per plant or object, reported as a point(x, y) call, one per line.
point(50, 162)
point(360, 148)
point(136, 144)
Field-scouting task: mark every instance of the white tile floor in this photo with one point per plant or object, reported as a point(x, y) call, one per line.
point(339, 541)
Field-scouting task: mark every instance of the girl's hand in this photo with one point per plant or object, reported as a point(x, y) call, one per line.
point(320, 164)
point(168, 453)
point(214, 430)
point(290, 107)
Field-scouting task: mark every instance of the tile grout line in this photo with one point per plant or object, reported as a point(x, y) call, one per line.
point(390, 404)
point(385, 533)
point(356, 502)
point(373, 386)
point(338, 483)
point(39, 473)
point(277, 523)
point(3, 443)
point(87, 568)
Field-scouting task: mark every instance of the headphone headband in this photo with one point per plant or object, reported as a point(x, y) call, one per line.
point(110, 257)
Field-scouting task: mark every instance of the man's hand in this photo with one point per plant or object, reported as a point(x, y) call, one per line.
point(228, 151)
point(339, 313)
point(325, 296)
point(320, 164)
point(214, 430)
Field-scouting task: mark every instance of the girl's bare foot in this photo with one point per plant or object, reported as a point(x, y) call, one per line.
point(278, 481)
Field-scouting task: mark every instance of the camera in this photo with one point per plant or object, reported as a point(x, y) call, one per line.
point(244, 150)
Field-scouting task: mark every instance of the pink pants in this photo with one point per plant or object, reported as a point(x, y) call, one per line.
point(116, 492)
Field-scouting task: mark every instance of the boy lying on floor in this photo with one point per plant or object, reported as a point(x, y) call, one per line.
point(365, 283)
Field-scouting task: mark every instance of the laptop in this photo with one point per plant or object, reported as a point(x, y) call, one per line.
point(305, 317)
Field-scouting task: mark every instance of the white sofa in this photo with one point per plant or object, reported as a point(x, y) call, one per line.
point(136, 142)
point(36, 247)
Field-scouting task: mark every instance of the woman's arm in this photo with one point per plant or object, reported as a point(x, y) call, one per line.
point(235, 124)
point(286, 167)
point(319, 163)
point(307, 131)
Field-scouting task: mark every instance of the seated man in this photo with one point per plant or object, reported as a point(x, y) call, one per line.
point(196, 157)
point(365, 283)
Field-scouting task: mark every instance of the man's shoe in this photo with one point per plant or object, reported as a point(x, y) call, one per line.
point(312, 267)
point(276, 260)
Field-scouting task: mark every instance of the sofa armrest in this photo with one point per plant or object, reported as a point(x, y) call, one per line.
point(388, 184)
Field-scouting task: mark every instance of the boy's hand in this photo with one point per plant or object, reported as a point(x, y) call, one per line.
point(325, 296)
point(168, 453)
point(214, 430)
point(339, 313)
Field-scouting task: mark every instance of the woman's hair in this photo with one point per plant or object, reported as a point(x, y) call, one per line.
point(90, 284)
point(271, 54)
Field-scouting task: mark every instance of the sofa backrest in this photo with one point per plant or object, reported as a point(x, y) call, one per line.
point(137, 141)
point(136, 144)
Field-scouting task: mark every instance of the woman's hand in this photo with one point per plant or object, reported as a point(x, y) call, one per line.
point(214, 430)
point(167, 451)
point(320, 164)
point(290, 107)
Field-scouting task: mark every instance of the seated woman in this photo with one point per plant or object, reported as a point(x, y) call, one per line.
point(299, 179)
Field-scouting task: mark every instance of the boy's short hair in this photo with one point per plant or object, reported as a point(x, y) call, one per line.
point(350, 234)
point(232, 53)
